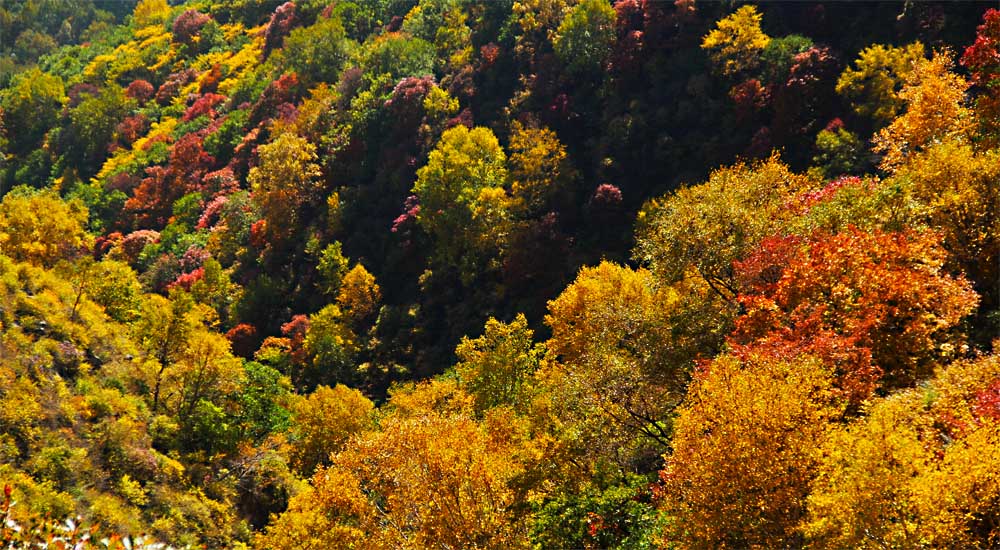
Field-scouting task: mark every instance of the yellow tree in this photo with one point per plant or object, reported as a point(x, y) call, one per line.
point(359, 295)
point(859, 497)
point(419, 482)
point(496, 368)
point(323, 421)
point(463, 204)
point(539, 167)
point(703, 228)
point(955, 188)
point(286, 178)
point(40, 228)
point(618, 368)
point(873, 84)
point(745, 449)
point(935, 110)
point(918, 470)
point(736, 42)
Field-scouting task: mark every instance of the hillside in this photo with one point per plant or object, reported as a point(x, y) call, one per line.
point(507, 274)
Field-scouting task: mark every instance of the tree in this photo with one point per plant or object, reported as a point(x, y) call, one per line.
point(286, 178)
point(149, 12)
point(496, 368)
point(935, 110)
point(332, 267)
point(708, 226)
point(915, 470)
point(359, 295)
point(417, 482)
point(584, 38)
point(736, 41)
point(539, 168)
point(745, 452)
point(886, 294)
point(322, 423)
point(462, 198)
point(981, 58)
point(955, 188)
point(31, 105)
point(619, 363)
point(873, 84)
point(318, 52)
point(40, 228)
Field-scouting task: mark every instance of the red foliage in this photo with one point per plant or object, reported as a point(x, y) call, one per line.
point(210, 82)
point(281, 23)
point(140, 90)
point(244, 340)
point(173, 84)
point(104, 243)
point(219, 183)
point(750, 98)
point(295, 330)
point(193, 258)
point(77, 91)
point(808, 92)
point(258, 234)
point(185, 280)
point(489, 54)
point(988, 401)
point(210, 216)
point(188, 25)
point(283, 90)
point(406, 105)
point(134, 242)
point(630, 19)
point(606, 196)
point(152, 203)
point(982, 58)
point(204, 105)
point(807, 200)
point(132, 128)
point(882, 293)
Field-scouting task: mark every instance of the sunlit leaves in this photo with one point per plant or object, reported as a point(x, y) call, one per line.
point(737, 41)
point(40, 228)
point(935, 110)
point(874, 82)
point(745, 451)
point(286, 178)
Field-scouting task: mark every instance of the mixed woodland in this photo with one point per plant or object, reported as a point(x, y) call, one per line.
point(547, 274)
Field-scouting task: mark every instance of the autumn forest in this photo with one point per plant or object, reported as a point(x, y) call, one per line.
point(539, 274)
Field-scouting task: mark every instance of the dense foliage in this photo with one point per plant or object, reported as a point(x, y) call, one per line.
point(507, 274)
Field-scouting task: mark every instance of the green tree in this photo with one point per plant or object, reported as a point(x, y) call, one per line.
point(318, 52)
point(463, 205)
point(497, 367)
point(585, 36)
point(31, 105)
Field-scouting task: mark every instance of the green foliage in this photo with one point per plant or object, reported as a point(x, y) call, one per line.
point(397, 55)
point(462, 198)
point(31, 104)
point(874, 83)
point(496, 368)
point(332, 267)
point(838, 152)
point(584, 38)
point(317, 53)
